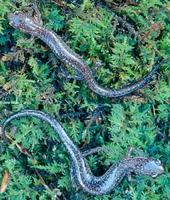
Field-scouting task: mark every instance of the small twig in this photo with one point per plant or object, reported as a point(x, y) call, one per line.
point(42, 180)
point(25, 152)
point(21, 148)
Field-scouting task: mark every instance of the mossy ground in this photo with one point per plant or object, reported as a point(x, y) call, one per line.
point(31, 77)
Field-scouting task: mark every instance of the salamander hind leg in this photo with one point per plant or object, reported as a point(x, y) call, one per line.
point(93, 151)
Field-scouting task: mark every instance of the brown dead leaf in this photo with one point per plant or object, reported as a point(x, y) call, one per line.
point(6, 57)
point(5, 180)
point(7, 86)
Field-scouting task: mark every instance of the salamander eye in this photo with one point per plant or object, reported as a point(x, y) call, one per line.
point(158, 162)
point(15, 19)
point(16, 12)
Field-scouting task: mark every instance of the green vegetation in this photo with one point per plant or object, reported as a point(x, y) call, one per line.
point(31, 77)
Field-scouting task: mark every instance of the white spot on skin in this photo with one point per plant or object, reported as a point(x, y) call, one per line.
point(31, 24)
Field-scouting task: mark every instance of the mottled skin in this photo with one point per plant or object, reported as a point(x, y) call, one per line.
point(30, 25)
point(81, 174)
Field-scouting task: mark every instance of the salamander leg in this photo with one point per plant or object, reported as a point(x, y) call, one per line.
point(129, 153)
point(36, 13)
point(78, 76)
point(97, 65)
point(92, 151)
point(135, 151)
point(66, 74)
point(33, 12)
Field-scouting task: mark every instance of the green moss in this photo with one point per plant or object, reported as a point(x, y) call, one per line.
point(31, 77)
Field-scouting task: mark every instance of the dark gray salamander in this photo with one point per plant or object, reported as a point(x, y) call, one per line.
point(32, 26)
point(81, 174)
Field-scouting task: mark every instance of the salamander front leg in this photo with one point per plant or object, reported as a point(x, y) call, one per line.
point(36, 14)
point(129, 177)
point(129, 155)
point(65, 73)
point(135, 151)
point(78, 76)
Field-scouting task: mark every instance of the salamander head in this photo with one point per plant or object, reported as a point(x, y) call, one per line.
point(150, 167)
point(23, 22)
